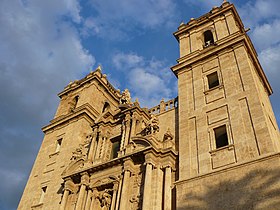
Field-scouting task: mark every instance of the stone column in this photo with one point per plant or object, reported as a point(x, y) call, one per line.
point(98, 146)
point(84, 183)
point(114, 198)
point(64, 199)
point(122, 139)
point(128, 168)
point(119, 193)
point(133, 124)
point(127, 128)
point(88, 200)
point(148, 186)
point(67, 189)
point(168, 190)
point(92, 204)
point(159, 187)
point(125, 187)
point(92, 145)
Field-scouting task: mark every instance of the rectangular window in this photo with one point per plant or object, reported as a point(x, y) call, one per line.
point(116, 143)
point(58, 145)
point(213, 80)
point(43, 193)
point(221, 136)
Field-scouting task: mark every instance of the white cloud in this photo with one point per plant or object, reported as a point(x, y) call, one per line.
point(124, 61)
point(270, 60)
point(149, 80)
point(114, 19)
point(257, 11)
point(267, 34)
point(40, 52)
point(207, 4)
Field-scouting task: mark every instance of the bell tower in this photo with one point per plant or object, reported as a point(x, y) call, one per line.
point(227, 129)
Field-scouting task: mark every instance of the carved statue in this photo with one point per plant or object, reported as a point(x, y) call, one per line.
point(82, 150)
point(79, 153)
point(105, 200)
point(125, 98)
point(152, 126)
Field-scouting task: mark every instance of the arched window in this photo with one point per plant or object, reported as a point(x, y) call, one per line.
point(208, 38)
point(105, 107)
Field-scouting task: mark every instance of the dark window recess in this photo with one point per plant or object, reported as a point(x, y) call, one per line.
point(76, 99)
point(213, 80)
point(74, 103)
point(116, 143)
point(208, 38)
point(105, 107)
point(43, 193)
point(221, 136)
point(58, 145)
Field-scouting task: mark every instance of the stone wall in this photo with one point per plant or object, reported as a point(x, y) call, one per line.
point(254, 185)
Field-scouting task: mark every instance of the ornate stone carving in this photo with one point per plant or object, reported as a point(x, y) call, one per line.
point(105, 199)
point(152, 126)
point(125, 98)
point(168, 135)
point(79, 153)
point(82, 151)
point(135, 199)
point(135, 202)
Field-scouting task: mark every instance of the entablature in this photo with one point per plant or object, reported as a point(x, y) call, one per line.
point(85, 110)
point(214, 13)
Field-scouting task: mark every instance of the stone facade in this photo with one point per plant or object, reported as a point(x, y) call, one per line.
point(216, 146)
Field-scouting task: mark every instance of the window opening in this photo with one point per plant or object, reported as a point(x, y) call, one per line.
point(213, 80)
point(221, 136)
point(43, 193)
point(208, 38)
point(76, 99)
point(116, 143)
point(74, 103)
point(105, 107)
point(58, 145)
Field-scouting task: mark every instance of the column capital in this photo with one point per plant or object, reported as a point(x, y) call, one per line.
point(164, 166)
point(150, 158)
point(85, 178)
point(115, 186)
point(150, 163)
point(128, 164)
point(69, 185)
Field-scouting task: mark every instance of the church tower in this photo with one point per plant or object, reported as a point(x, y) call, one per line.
point(228, 137)
point(215, 146)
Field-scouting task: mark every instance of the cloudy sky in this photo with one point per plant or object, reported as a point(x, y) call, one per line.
point(46, 44)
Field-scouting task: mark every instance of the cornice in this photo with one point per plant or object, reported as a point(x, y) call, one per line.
point(99, 77)
point(85, 110)
point(228, 43)
point(215, 12)
point(233, 167)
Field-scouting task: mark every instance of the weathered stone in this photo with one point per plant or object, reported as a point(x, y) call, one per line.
point(101, 151)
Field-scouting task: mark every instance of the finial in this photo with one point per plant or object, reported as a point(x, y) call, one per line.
point(225, 3)
point(99, 68)
point(136, 102)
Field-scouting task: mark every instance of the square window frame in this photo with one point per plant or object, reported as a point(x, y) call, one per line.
point(212, 137)
point(205, 80)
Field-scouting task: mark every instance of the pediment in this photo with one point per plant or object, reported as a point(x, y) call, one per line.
point(104, 181)
point(107, 116)
point(138, 143)
point(74, 166)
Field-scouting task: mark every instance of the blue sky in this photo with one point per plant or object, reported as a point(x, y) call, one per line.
point(46, 44)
